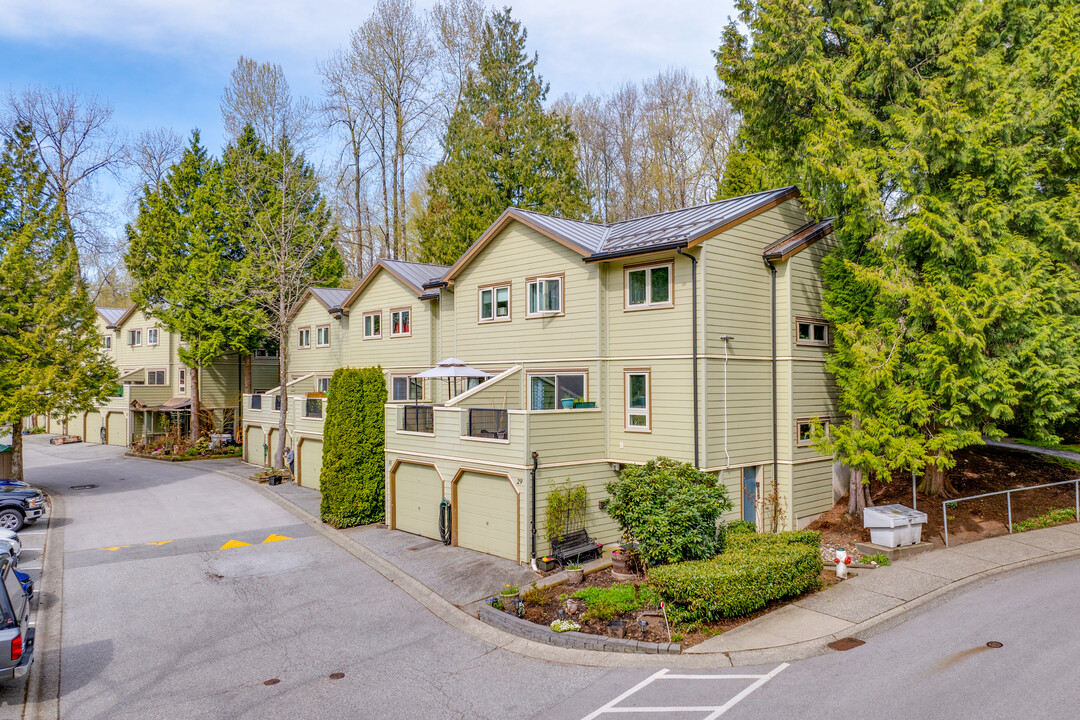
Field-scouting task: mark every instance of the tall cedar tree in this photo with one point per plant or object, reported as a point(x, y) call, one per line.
point(502, 150)
point(944, 137)
point(287, 234)
point(50, 352)
point(181, 249)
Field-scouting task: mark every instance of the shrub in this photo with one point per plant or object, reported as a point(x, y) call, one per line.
point(742, 541)
point(744, 579)
point(606, 603)
point(353, 467)
point(741, 526)
point(670, 509)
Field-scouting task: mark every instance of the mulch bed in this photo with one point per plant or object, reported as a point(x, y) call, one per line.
point(978, 470)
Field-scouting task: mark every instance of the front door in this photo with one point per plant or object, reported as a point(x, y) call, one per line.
point(749, 494)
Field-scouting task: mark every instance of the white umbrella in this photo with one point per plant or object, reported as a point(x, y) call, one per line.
point(452, 368)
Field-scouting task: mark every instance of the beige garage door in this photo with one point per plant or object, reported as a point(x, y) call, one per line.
point(309, 464)
point(93, 427)
point(487, 514)
point(417, 495)
point(253, 445)
point(117, 431)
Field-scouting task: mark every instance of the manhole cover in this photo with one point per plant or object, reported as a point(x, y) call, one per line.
point(994, 644)
point(336, 676)
point(272, 681)
point(845, 644)
point(83, 487)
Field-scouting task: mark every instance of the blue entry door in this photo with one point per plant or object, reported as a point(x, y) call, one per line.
point(749, 494)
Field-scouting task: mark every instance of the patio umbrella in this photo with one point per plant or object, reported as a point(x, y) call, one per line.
point(452, 368)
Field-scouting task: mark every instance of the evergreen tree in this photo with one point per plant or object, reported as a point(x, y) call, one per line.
point(502, 150)
point(943, 136)
point(50, 353)
point(182, 250)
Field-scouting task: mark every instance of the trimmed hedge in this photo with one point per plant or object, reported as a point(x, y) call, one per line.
point(353, 480)
point(756, 569)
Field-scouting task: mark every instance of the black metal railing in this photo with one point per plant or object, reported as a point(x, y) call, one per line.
point(313, 408)
point(487, 423)
point(256, 402)
point(418, 418)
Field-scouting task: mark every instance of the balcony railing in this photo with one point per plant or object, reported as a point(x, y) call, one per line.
point(313, 408)
point(418, 418)
point(256, 402)
point(487, 423)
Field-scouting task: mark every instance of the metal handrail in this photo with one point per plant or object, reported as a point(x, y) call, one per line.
point(1008, 501)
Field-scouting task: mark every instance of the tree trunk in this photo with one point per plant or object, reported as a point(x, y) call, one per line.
point(936, 483)
point(247, 374)
point(856, 494)
point(279, 453)
point(16, 450)
point(194, 372)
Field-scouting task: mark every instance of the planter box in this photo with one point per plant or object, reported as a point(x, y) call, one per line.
point(546, 564)
point(274, 480)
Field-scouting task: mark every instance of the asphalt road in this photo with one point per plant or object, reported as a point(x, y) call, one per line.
point(167, 615)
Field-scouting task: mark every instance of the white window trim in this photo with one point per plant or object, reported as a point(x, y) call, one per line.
point(300, 344)
point(320, 378)
point(553, 373)
point(407, 399)
point(628, 411)
point(649, 304)
point(799, 422)
point(373, 336)
point(156, 334)
point(399, 310)
point(138, 336)
point(164, 376)
point(493, 289)
point(529, 282)
point(317, 329)
point(181, 380)
point(811, 341)
point(107, 342)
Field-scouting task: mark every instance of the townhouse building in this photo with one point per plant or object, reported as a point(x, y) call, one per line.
point(694, 334)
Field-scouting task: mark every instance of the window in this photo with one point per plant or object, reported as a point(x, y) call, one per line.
point(811, 332)
point(303, 338)
point(322, 336)
point(495, 303)
point(372, 326)
point(400, 323)
point(322, 384)
point(155, 377)
point(804, 430)
point(181, 380)
point(545, 296)
point(648, 287)
point(266, 352)
point(135, 337)
point(256, 402)
point(106, 342)
point(313, 408)
point(152, 336)
point(404, 388)
point(638, 389)
point(546, 392)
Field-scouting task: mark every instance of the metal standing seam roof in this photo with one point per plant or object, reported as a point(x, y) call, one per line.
point(331, 297)
point(797, 240)
point(414, 273)
point(111, 315)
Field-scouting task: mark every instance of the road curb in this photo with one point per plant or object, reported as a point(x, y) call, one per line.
point(43, 688)
point(470, 624)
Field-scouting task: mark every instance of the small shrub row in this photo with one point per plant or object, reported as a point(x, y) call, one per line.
point(755, 570)
point(1051, 517)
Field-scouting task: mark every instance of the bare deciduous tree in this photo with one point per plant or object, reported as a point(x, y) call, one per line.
point(259, 95)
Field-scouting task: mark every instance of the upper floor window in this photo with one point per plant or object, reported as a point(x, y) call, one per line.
point(804, 430)
point(372, 326)
point(547, 392)
point(545, 296)
point(811, 332)
point(648, 287)
point(152, 336)
point(303, 337)
point(400, 322)
point(404, 388)
point(181, 380)
point(270, 351)
point(495, 303)
point(106, 342)
point(155, 377)
point(322, 384)
point(638, 400)
point(322, 336)
point(135, 337)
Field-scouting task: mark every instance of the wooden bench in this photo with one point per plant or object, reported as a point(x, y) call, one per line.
point(575, 546)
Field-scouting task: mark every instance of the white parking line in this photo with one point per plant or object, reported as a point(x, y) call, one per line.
point(714, 711)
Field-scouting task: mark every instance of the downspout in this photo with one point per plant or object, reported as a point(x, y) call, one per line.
point(775, 441)
point(693, 292)
point(536, 461)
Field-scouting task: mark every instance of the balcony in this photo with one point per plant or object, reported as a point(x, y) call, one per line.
point(487, 423)
point(417, 419)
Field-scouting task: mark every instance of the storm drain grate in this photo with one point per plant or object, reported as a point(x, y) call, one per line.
point(83, 487)
point(846, 643)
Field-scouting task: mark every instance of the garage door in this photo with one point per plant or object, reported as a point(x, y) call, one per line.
point(309, 464)
point(93, 427)
point(487, 514)
point(253, 445)
point(117, 431)
point(417, 494)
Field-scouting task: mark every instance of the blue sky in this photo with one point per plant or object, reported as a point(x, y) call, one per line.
point(164, 63)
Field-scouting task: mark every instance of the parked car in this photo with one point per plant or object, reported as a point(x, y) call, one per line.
point(16, 634)
point(13, 483)
point(10, 544)
point(20, 506)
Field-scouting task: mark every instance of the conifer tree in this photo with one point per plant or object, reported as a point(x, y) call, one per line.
point(50, 353)
point(503, 149)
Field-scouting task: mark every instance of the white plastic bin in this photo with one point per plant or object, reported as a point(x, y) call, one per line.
point(894, 525)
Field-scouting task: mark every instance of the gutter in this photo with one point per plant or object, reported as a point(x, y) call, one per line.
point(693, 291)
point(775, 441)
point(627, 252)
point(536, 461)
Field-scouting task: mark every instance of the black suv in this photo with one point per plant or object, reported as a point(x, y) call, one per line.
point(19, 506)
point(16, 635)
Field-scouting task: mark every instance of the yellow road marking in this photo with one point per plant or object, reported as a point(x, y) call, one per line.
point(275, 538)
point(114, 548)
point(162, 542)
point(233, 544)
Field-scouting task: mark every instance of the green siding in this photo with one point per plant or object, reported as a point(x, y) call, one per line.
point(412, 352)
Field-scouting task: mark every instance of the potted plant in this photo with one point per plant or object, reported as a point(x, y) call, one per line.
point(580, 402)
point(508, 596)
point(546, 563)
point(575, 573)
point(567, 403)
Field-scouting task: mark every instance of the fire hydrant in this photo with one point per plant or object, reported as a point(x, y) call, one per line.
point(842, 561)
